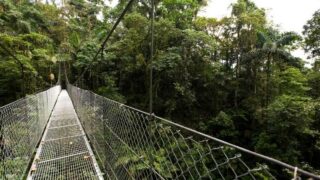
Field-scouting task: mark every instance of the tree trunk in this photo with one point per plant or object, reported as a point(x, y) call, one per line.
point(236, 92)
point(23, 80)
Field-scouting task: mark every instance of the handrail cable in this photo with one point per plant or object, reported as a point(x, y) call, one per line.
point(141, 113)
point(28, 116)
point(270, 159)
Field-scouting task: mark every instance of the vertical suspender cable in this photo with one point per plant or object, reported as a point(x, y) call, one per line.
point(151, 59)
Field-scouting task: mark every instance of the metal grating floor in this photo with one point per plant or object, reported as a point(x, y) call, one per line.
point(64, 151)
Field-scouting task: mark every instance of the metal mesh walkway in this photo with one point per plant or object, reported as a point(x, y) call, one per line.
point(64, 151)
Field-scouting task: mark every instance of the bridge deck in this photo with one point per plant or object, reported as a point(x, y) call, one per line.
point(64, 151)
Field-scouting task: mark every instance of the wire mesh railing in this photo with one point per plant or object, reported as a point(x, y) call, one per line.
point(64, 151)
point(131, 144)
point(21, 126)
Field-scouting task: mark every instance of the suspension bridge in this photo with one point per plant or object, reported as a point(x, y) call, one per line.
point(76, 134)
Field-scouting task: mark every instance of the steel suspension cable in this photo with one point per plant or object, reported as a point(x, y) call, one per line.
point(151, 95)
point(270, 159)
point(106, 39)
point(181, 146)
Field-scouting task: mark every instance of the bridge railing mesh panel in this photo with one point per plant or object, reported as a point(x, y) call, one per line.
point(131, 144)
point(21, 126)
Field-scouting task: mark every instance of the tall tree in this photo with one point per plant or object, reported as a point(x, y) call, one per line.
point(312, 31)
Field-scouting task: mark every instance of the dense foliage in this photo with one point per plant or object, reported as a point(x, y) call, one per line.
point(234, 78)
